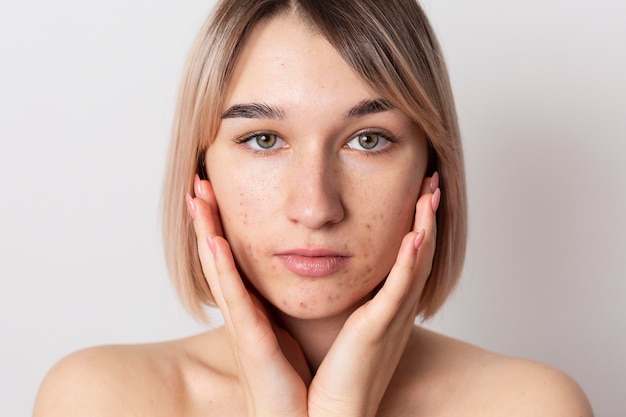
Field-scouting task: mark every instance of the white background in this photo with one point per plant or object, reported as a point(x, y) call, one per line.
point(87, 91)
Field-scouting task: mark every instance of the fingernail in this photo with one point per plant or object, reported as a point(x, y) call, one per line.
point(191, 207)
point(419, 238)
point(196, 185)
point(209, 240)
point(434, 182)
point(436, 198)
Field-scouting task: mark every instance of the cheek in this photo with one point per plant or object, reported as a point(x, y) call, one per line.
point(246, 210)
point(244, 200)
point(387, 218)
point(390, 209)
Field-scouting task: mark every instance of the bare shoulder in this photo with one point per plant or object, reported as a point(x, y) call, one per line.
point(548, 390)
point(106, 381)
point(493, 384)
point(521, 387)
point(126, 380)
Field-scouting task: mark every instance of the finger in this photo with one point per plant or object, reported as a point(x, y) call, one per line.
point(388, 302)
point(263, 346)
point(425, 187)
point(205, 227)
point(237, 299)
point(425, 219)
point(257, 342)
point(238, 306)
point(403, 286)
point(244, 314)
point(203, 190)
point(218, 265)
point(220, 271)
point(429, 186)
point(403, 274)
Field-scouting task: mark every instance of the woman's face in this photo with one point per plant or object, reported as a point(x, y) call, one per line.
point(315, 177)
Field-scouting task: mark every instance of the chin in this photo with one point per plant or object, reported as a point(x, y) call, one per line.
point(320, 307)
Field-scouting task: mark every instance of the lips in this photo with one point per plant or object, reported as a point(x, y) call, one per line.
point(312, 263)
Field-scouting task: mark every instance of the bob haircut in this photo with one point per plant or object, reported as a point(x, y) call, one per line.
point(391, 46)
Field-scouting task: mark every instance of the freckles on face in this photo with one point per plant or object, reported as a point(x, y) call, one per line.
point(241, 217)
point(290, 173)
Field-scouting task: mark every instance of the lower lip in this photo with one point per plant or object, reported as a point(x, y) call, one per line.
point(313, 266)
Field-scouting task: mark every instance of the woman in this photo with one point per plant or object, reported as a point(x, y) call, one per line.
point(315, 194)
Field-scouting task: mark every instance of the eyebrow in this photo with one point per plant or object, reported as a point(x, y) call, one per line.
point(253, 111)
point(367, 107)
point(265, 111)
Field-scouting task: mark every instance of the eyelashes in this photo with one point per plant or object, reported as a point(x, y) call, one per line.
point(371, 141)
point(262, 141)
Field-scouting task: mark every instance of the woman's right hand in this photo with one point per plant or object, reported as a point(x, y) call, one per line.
point(271, 366)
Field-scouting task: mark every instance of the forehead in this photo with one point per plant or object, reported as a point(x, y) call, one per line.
point(286, 62)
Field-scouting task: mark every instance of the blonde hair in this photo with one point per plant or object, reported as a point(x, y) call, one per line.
point(391, 45)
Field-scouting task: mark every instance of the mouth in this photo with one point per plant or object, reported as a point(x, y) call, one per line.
point(312, 263)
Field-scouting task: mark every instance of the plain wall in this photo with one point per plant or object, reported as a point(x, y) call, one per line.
point(87, 92)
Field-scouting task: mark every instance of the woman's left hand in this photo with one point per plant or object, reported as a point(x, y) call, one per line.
point(356, 372)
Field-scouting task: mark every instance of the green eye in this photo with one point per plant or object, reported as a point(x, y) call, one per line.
point(262, 142)
point(368, 140)
point(266, 141)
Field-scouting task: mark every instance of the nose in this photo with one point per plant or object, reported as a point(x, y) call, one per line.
point(314, 197)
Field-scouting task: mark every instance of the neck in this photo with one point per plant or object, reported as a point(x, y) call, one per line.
point(315, 336)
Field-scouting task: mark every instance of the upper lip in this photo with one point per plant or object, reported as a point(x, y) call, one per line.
point(313, 253)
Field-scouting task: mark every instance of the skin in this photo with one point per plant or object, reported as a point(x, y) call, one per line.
point(323, 190)
point(318, 186)
point(298, 345)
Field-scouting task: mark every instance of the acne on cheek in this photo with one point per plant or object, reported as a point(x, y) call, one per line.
point(358, 280)
point(244, 212)
point(378, 221)
point(238, 217)
point(333, 298)
point(241, 214)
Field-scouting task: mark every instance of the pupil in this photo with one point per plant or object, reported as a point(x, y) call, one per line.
point(266, 141)
point(368, 141)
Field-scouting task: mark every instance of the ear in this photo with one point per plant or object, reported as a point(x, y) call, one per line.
point(201, 165)
point(429, 184)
